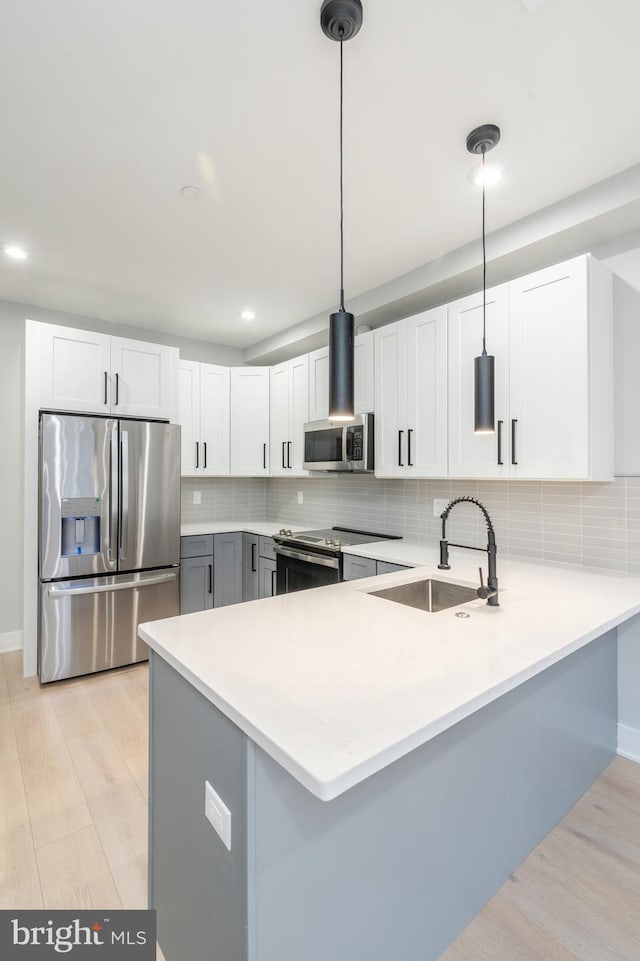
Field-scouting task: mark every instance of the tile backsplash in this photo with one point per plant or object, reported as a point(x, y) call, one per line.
point(585, 524)
point(224, 498)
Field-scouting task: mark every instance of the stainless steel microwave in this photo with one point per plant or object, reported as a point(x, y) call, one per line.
point(331, 446)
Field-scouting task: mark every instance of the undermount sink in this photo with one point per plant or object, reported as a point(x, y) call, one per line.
point(428, 595)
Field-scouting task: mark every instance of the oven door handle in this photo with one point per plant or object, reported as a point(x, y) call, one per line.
point(319, 559)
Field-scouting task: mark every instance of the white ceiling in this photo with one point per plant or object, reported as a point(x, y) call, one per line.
point(108, 109)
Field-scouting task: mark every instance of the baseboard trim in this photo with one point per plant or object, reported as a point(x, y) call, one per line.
point(629, 742)
point(11, 641)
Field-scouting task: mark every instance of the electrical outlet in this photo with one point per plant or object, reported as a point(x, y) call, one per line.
point(197, 497)
point(218, 814)
point(300, 497)
point(439, 505)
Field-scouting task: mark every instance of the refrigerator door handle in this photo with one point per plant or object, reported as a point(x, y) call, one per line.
point(112, 508)
point(57, 593)
point(124, 494)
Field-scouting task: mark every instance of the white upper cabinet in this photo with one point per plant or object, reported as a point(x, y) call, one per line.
point(97, 374)
point(364, 392)
point(551, 333)
point(411, 396)
point(561, 373)
point(204, 418)
point(249, 441)
point(143, 378)
point(471, 454)
point(74, 368)
point(289, 403)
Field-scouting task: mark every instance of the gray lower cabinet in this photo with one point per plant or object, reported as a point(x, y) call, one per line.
point(227, 569)
point(354, 567)
point(384, 567)
point(196, 573)
point(250, 576)
point(266, 577)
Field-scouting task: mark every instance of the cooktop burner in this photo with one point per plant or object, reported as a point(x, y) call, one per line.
point(334, 538)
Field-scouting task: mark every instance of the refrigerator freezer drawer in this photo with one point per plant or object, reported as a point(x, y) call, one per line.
point(91, 625)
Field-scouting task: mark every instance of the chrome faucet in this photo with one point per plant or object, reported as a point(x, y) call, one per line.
point(490, 592)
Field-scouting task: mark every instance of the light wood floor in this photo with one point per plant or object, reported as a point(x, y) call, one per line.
point(73, 828)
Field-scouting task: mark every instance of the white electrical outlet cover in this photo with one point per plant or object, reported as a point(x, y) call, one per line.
point(218, 814)
point(300, 497)
point(197, 497)
point(439, 505)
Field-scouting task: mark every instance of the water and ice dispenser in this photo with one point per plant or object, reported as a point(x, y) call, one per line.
point(80, 532)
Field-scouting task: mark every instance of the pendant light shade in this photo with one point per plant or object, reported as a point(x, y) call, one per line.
point(484, 394)
point(480, 141)
point(341, 357)
point(341, 20)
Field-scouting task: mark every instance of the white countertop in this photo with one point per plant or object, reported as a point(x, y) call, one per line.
point(335, 684)
point(264, 528)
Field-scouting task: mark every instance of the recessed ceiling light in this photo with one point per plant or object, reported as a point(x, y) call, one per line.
point(18, 253)
point(248, 315)
point(490, 174)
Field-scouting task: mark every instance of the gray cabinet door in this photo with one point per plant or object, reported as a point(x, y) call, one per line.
point(354, 567)
point(250, 582)
point(267, 577)
point(196, 584)
point(386, 567)
point(227, 569)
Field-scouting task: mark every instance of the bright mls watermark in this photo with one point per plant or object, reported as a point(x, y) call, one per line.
point(26, 935)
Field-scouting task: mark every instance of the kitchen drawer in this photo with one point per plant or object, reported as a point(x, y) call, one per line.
point(355, 567)
point(385, 567)
point(196, 545)
point(266, 547)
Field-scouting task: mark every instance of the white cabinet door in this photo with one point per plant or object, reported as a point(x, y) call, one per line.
point(249, 417)
point(364, 374)
point(189, 416)
point(426, 340)
point(144, 379)
point(279, 419)
point(391, 400)
point(471, 454)
point(214, 420)
point(298, 414)
point(74, 369)
point(549, 373)
point(319, 384)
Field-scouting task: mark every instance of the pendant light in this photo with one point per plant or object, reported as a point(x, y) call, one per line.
point(481, 141)
point(340, 21)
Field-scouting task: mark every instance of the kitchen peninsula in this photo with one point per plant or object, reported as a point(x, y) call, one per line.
point(385, 768)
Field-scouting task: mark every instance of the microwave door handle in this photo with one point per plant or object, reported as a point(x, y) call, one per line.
point(348, 445)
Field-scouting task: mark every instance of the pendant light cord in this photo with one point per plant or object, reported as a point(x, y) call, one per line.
point(341, 187)
point(484, 267)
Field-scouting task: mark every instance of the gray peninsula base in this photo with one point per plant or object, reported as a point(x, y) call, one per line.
point(393, 868)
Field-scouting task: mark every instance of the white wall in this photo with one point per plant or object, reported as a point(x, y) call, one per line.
point(12, 318)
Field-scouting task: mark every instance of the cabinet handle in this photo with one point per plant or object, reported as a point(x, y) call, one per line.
point(273, 584)
point(211, 578)
point(513, 440)
point(283, 463)
point(409, 433)
point(500, 461)
point(264, 456)
point(106, 380)
point(288, 453)
point(400, 433)
point(253, 559)
point(197, 455)
point(205, 455)
point(117, 390)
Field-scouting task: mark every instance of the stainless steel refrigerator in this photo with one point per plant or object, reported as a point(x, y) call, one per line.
point(109, 539)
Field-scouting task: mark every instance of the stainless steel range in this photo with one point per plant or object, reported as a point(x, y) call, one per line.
point(307, 559)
